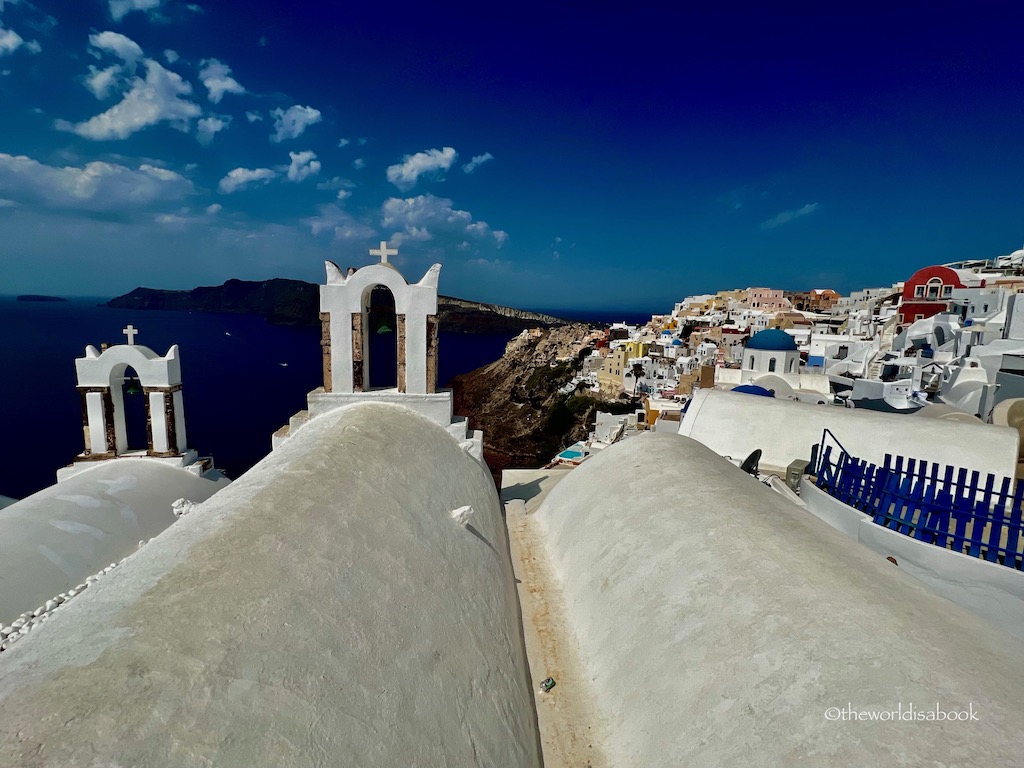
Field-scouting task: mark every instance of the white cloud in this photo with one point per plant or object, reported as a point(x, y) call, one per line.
point(123, 47)
point(787, 216)
point(336, 183)
point(291, 123)
point(208, 127)
point(344, 194)
point(121, 8)
point(96, 186)
point(303, 165)
point(217, 78)
point(172, 219)
point(214, 209)
point(148, 102)
point(343, 142)
point(405, 174)
point(33, 46)
point(358, 163)
point(338, 222)
point(418, 218)
point(253, 116)
point(103, 82)
point(477, 161)
point(240, 178)
point(10, 41)
point(171, 56)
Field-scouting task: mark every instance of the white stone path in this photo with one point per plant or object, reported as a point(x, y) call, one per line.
point(566, 715)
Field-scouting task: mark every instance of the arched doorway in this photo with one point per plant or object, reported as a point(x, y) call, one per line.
point(381, 339)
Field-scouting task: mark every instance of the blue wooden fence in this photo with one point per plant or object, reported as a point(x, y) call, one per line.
point(951, 508)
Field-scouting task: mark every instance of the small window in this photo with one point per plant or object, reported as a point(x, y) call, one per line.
point(771, 365)
point(947, 290)
point(919, 291)
point(751, 361)
point(984, 308)
point(919, 317)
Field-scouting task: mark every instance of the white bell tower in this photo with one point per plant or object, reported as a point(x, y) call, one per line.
point(101, 386)
point(345, 302)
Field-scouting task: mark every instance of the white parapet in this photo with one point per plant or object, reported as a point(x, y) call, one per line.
point(436, 407)
point(733, 424)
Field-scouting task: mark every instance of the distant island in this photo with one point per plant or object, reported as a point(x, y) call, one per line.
point(37, 297)
point(294, 302)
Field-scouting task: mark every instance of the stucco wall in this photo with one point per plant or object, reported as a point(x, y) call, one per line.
point(720, 623)
point(987, 589)
point(735, 424)
point(56, 538)
point(323, 610)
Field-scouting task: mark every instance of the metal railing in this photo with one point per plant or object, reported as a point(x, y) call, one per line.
point(956, 509)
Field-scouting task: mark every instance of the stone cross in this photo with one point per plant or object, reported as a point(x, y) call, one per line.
point(130, 332)
point(383, 251)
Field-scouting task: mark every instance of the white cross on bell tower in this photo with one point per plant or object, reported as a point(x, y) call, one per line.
point(383, 251)
point(130, 332)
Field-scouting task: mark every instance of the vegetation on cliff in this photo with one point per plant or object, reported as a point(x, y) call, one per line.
point(294, 302)
point(516, 400)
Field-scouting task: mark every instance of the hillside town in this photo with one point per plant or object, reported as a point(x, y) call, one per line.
point(946, 341)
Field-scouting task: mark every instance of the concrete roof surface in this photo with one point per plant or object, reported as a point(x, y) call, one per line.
point(721, 625)
point(56, 538)
point(323, 610)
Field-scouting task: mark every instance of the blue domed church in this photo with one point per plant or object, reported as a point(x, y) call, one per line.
point(771, 351)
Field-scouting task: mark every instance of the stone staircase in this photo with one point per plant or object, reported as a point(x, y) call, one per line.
point(888, 336)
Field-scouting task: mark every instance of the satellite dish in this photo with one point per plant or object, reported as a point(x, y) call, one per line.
point(750, 463)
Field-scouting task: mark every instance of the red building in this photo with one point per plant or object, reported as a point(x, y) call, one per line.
point(930, 290)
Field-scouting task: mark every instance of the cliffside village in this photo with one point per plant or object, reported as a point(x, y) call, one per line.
point(364, 596)
point(948, 341)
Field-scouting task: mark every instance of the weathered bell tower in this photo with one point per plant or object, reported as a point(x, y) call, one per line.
point(345, 312)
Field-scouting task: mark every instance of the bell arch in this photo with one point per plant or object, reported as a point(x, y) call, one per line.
point(383, 340)
point(100, 384)
point(343, 308)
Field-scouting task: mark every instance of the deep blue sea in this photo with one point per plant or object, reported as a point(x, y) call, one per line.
point(237, 390)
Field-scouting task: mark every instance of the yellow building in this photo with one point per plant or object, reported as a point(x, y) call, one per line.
point(636, 348)
point(609, 378)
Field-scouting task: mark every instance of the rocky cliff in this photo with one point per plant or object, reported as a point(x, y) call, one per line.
point(294, 302)
point(516, 400)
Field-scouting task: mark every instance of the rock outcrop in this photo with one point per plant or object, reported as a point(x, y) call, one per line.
point(516, 400)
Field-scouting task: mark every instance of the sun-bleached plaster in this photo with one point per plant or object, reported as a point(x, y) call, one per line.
point(990, 590)
point(719, 624)
point(56, 538)
point(324, 609)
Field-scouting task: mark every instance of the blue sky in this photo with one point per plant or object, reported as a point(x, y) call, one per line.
point(560, 155)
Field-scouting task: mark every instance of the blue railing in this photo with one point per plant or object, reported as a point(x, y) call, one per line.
point(952, 508)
